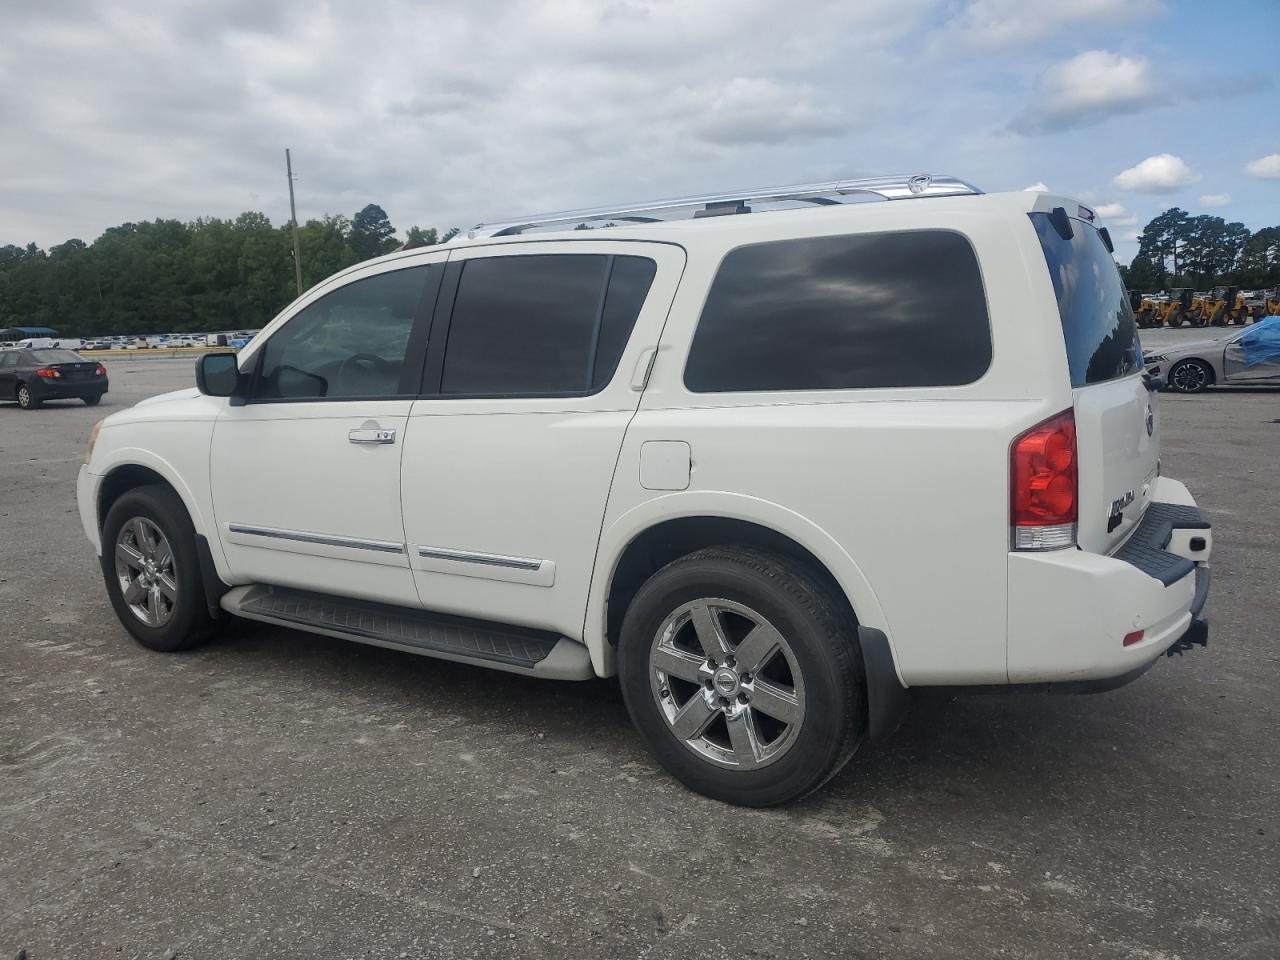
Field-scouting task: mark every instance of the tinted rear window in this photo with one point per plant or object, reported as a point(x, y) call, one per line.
point(56, 356)
point(1097, 320)
point(827, 313)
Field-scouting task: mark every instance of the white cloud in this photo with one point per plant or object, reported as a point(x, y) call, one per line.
point(1005, 23)
point(1163, 173)
point(1115, 214)
point(448, 120)
point(1265, 168)
point(1087, 89)
point(1215, 199)
point(1037, 187)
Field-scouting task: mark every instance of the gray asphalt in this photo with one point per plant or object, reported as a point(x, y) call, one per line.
point(279, 795)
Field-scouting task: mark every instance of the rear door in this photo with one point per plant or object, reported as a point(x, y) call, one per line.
point(1117, 430)
point(538, 356)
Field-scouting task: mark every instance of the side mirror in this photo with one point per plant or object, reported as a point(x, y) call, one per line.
point(218, 374)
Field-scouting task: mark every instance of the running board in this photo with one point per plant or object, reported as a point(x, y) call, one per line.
point(536, 653)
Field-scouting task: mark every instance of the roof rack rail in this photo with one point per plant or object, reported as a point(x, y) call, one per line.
point(822, 193)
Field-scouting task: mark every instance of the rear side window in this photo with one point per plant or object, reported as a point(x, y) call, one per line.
point(1097, 320)
point(542, 325)
point(836, 313)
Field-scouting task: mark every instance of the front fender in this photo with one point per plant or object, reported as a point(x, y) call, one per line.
point(624, 529)
point(195, 497)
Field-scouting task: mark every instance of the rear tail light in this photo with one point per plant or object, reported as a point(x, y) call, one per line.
point(1044, 495)
point(48, 373)
point(99, 371)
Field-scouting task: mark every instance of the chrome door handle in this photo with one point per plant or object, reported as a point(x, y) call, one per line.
point(366, 435)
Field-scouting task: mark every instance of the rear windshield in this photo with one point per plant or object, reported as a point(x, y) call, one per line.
point(56, 356)
point(1097, 321)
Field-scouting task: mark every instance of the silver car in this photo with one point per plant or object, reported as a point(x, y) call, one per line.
point(1191, 367)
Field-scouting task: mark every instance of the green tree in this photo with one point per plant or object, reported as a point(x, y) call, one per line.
point(372, 234)
point(426, 238)
point(1210, 248)
point(1142, 275)
point(1161, 241)
point(1259, 262)
point(165, 276)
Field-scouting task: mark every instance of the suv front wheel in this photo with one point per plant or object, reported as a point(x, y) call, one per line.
point(743, 676)
point(152, 571)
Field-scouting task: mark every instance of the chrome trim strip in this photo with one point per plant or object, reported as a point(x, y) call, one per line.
point(488, 559)
point(322, 539)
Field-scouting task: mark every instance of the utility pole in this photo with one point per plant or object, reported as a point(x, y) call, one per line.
point(293, 222)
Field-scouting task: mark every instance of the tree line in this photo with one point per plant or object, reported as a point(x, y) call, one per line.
point(166, 276)
point(1178, 250)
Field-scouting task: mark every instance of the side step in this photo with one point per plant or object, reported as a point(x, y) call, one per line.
point(514, 649)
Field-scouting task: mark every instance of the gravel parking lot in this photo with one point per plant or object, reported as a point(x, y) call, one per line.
point(281, 795)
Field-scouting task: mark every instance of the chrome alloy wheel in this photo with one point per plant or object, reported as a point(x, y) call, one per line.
point(727, 683)
point(1190, 377)
point(144, 566)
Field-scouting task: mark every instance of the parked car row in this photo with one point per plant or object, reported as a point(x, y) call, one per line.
point(165, 341)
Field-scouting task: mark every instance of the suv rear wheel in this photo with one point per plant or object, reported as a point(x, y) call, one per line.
point(743, 676)
point(152, 570)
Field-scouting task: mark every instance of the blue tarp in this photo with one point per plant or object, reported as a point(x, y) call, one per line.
point(1261, 342)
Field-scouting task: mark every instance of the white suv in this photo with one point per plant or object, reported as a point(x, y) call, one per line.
point(774, 464)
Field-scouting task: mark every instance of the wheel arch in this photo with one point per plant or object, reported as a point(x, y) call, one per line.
point(132, 467)
point(146, 470)
point(652, 534)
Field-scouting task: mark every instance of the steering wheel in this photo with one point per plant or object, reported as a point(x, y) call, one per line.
point(348, 366)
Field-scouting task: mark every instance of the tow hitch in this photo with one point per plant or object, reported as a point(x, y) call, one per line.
point(1197, 635)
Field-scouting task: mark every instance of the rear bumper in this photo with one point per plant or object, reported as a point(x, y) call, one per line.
point(43, 389)
point(1070, 611)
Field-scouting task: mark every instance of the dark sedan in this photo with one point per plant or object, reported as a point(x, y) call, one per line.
point(33, 376)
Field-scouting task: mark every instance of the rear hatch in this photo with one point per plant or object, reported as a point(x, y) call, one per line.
point(1117, 433)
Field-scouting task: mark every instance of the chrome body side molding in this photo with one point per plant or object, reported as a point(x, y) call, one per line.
point(319, 539)
point(486, 566)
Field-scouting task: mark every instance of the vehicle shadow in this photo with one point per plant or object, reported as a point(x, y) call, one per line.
point(1005, 752)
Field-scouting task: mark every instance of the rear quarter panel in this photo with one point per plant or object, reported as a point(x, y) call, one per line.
point(910, 485)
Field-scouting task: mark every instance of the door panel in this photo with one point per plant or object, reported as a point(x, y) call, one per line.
point(504, 495)
point(1237, 371)
point(298, 504)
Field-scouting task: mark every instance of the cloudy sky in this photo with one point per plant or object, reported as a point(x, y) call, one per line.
point(452, 112)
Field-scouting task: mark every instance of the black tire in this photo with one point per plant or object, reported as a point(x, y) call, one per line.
point(26, 399)
point(189, 622)
point(1190, 376)
point(821, 637)
point(92, 400)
